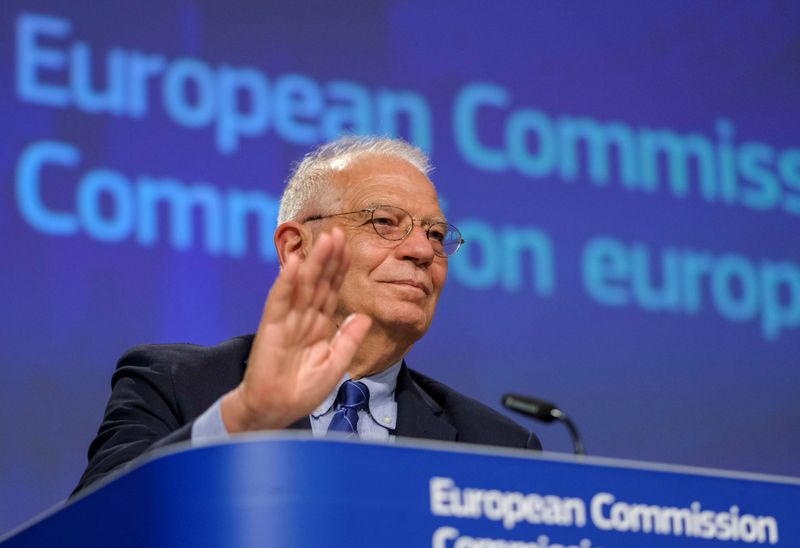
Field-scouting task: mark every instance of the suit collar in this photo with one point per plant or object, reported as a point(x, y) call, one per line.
point(419, 415)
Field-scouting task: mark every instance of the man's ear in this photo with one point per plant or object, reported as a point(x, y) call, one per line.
point(292, 238)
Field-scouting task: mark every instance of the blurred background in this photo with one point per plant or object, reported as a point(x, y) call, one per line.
point(626, 175)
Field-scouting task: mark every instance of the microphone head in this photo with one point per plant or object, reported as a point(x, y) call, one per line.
point(532, 407)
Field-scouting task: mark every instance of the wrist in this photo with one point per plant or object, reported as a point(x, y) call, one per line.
point(235, 415)
point(239, 416)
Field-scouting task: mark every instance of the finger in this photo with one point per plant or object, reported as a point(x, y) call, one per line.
point(347, 340)
point(344, 265)
point(326, 279)
point(333, 273)
point(311, 319)
point(280, 295)
point(310, 271)
point(328, 307)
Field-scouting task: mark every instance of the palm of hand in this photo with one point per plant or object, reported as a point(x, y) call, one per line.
point(296, 359)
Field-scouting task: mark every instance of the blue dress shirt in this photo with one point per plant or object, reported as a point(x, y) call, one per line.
point(375, 424)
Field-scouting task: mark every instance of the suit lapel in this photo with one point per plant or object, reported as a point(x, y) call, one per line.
point(418, 415)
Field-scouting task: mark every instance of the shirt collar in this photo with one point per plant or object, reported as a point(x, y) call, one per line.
point(382, 405)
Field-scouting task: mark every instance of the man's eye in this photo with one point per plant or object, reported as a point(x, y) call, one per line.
point(384, 221)
point(436, 234)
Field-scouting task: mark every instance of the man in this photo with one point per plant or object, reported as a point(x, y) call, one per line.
point(363, 246)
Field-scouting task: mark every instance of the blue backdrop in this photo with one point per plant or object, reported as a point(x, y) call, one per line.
point(627, 177)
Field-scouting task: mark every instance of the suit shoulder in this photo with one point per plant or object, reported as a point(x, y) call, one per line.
point(189, 374)
point(186, 358)
point(157, 390)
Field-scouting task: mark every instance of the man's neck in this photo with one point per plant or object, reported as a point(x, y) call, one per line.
point(378, 352)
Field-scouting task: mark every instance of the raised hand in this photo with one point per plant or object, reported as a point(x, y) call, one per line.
point(298, 354)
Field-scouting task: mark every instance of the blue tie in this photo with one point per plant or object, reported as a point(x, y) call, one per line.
point(352, 397)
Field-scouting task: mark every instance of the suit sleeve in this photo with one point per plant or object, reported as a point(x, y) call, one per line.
point(142, 414)
point(157, 392)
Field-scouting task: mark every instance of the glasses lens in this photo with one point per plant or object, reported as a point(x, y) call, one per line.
point(445, 238)
point(391, 222)
point(394, 223)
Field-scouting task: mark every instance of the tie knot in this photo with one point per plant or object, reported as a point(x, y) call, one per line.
point(353, 395)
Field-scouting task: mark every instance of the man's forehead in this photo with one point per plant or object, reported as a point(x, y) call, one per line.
point(369, 166)
point(386, 180)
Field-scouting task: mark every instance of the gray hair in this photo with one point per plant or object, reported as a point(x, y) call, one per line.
point(314, 172)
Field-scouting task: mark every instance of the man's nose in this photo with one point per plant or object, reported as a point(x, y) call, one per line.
point(417, 247)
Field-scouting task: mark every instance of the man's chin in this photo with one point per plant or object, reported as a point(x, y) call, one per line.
point(407, 319)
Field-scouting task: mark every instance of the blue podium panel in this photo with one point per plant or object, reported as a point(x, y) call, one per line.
point(286, 491)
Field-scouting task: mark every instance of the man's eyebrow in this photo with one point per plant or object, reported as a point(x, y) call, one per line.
point(434, 220)
point(430, 220)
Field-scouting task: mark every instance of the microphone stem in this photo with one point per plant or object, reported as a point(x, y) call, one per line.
point(577, 442)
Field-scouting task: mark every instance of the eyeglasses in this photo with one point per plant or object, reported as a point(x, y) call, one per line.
point(394, 223)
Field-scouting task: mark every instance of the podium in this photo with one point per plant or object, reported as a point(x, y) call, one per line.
point(289, 491)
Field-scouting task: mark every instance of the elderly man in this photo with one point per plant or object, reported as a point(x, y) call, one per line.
point(363, 245)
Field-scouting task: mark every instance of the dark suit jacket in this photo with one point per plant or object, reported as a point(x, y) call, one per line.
point(158, 391)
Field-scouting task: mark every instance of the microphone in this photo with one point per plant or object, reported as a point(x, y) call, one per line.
point(546, 412)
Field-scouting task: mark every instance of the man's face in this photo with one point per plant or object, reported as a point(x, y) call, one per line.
point(396, 283)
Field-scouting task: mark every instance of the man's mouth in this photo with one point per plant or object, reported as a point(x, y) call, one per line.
point(412, 283)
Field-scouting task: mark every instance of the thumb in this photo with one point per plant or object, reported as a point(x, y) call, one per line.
point(347, 340)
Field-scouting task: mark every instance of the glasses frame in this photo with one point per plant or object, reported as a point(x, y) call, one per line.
point(373, 209)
